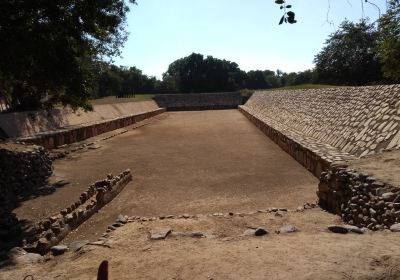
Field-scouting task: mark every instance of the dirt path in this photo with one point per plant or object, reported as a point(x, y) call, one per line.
point(310, 253)
point(195, 162)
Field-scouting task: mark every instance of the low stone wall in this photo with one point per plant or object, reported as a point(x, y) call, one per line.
point(23, 170)
point(40, 237)
point(199, 101)
point(358, 198)
point(54, 139)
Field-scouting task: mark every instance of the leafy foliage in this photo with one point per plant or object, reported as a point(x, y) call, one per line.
point(349, 56)
point(121, 81)
point(48, 48)
point(389, 42)
point(195, 73)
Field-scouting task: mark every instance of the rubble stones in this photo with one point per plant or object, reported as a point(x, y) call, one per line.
point(50, 231)
point(361, 201)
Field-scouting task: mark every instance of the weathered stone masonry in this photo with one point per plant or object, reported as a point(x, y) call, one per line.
point(54, 139)
point(199, 101)
point(23, 170)
point(41, 236)
point(326, 128)
point(360, 199)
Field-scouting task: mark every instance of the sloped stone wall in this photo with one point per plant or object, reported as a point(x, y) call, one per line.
point(28, 123)
point(54, 139)
point(199, 101)
point(325, 129)
point(357, 120)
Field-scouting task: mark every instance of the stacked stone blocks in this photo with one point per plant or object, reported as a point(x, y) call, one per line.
point(324, 129)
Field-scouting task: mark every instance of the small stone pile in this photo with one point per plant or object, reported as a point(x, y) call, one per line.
point(360, 199)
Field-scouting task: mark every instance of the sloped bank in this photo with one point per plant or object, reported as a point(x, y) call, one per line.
point(54, 139)
point(327, 128)
point(60, 126)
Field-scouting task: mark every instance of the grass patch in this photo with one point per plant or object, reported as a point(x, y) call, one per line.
point(304, 86)
point(113, 99)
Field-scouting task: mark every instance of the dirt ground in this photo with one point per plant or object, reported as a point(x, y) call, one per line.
point(384, 166)
point(195, 162)
point(203, 164)
point(225, 253)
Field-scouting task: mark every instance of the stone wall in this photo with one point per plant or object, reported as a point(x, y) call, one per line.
point(23, 171)
point(324, 130)
point(360, 199)
point(314, 156)
point(199, 101)
point(357, 120)
point(28, 123)
point(40, 237)
point(56, 138)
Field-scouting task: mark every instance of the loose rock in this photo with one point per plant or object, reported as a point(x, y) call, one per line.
point(59, 250)
point(395, 228)
point(160, 233)
point(287, 229)
point(338, 229)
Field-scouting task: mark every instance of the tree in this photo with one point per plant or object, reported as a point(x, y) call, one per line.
point(195, 73)
point(389, 42)
point(257, 79)
point(349, 56)
point(48, 48)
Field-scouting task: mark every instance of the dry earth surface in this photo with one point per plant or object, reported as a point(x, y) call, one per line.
point(202, 163)
point(384, 166)
point(195, 162)
point(225, 253)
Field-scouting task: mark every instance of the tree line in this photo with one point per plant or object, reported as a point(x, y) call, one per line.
point(56, 53)
point(194, 73)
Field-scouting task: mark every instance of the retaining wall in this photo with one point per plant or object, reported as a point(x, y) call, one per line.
point(23, 171)
point(28, 123)
point(199, 101)
point(54, 139)
point(359, 198)
point(357, 120)
point(325, 129)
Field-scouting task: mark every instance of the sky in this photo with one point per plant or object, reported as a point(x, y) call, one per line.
point(242, 31)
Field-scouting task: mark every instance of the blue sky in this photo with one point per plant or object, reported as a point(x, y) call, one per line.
point(246, 32)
